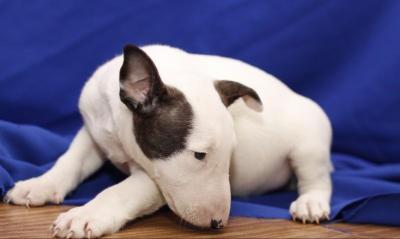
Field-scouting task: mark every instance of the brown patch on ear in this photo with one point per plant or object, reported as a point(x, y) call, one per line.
point(230, 91)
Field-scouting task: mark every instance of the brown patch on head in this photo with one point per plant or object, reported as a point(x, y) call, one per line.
point(164, 131)
point(230, 91)
point(162, 115)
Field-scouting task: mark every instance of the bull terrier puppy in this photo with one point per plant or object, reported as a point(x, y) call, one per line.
point(190, 130)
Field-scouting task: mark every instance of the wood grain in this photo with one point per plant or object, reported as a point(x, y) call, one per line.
point(20, 222)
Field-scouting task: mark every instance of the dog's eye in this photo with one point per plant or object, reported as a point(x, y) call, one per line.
point(199, 155)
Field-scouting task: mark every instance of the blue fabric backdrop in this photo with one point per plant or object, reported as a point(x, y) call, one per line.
point(343, 54)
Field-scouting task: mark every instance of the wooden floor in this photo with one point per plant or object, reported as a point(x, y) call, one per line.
point(20, 222)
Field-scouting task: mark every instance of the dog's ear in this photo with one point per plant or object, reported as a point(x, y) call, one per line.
point(141, 87)
point(230, 91)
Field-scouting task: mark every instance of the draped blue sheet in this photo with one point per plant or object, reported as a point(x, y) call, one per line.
point(343, 54)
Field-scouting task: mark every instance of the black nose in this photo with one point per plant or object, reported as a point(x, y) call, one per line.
point(216, 224)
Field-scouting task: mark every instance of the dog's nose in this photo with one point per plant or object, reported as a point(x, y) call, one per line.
point(216, 224)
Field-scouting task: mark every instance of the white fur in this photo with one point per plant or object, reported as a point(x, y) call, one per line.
point(255, 151)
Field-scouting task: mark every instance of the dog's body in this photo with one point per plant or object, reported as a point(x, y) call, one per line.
point(276, 133)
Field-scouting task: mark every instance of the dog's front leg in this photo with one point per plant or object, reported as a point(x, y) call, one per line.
point(136, 196)
point(312, 167)
point(77, 163)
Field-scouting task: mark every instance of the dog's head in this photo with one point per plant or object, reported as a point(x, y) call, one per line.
point(186, 133)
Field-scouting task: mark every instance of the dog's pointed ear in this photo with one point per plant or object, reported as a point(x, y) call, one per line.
point(141, 87)
point(230, 91)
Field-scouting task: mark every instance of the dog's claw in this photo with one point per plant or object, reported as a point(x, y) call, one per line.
point(56, 199)
point(89, 233)
point(326, 216)
point(55, 232)
point(70, 234)
point(293, 217)
point(52, 226)
point(316, 220)
point(303, 220)
point(28, 202)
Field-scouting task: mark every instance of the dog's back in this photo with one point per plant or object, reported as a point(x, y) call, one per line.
point(265, 141)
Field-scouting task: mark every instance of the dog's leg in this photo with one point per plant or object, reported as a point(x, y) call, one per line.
point(136, 196)
point(77, 163)
point(312, 167)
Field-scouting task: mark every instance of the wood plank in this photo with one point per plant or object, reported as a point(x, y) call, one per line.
point(20, 222)
point(365, 230)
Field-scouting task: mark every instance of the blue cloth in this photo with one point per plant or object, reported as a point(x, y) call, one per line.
point(343, 55)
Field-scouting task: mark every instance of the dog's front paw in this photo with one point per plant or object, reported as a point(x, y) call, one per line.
point(87, 221)
point(310, 208)
point(34, 192)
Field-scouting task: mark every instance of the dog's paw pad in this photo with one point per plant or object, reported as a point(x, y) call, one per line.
point(84, 222)
point(310, 208)
point(33, 192)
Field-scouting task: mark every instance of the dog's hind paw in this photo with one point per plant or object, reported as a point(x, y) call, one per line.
point(33, 192)
point(310, 208)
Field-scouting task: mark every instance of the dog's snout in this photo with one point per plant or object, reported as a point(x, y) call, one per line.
point(216, 224)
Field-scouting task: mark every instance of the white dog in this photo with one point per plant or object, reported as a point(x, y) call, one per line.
point(189, 130)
